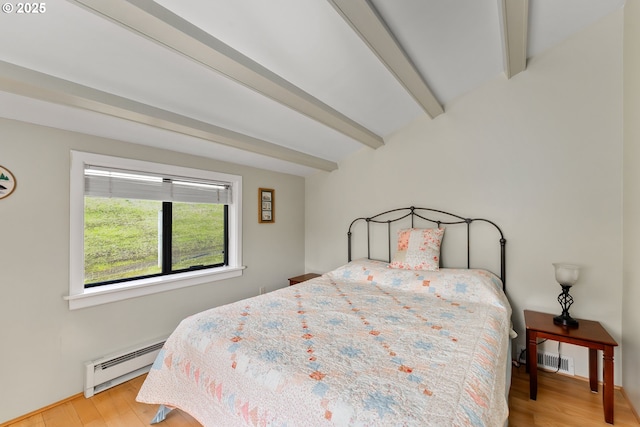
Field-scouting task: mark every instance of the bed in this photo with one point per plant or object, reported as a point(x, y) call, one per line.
point(401, 341)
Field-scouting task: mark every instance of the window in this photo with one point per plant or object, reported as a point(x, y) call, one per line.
point(139, 228)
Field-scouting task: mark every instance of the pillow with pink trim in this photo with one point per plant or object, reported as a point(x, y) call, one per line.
point(418, 249)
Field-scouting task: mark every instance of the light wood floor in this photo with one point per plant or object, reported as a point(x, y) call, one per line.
point(116, 407)
point(562, 402)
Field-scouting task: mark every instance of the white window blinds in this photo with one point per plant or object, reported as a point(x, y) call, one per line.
point(108, 182)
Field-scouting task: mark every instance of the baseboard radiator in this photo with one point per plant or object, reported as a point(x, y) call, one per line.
point(113, 369)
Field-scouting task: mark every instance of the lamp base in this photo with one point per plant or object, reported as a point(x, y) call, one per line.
point(566, 321)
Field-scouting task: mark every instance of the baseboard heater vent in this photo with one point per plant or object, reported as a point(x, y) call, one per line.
point(116, 368)
point(549, 362)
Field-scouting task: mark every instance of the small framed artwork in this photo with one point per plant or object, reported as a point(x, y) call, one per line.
point(266, 205)
point(7, 182)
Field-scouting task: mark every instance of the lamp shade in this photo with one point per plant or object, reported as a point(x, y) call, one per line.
point(566, 274)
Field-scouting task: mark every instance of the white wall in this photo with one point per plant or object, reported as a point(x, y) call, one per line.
point(540, 154)
point(631, 290)
point(43, 345)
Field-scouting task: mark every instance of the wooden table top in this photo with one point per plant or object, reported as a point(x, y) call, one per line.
point(588, 330)
point(304, 277)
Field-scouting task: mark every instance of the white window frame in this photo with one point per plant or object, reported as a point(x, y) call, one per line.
point(81, 297)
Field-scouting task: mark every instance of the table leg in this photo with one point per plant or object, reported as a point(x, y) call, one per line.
point(532, 364)
point(607, 384)
point(593, 369)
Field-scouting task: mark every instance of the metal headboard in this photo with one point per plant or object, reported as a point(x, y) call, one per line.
point(413, 212)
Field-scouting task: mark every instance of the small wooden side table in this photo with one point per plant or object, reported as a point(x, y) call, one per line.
point(588, 334)
point(302, 278)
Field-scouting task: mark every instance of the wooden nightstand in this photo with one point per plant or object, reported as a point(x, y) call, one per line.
point(588, 334)
point(302, 278)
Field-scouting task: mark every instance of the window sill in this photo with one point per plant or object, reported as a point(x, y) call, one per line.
point(121, 291)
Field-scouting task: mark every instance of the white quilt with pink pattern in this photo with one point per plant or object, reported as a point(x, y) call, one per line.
point(363, 345)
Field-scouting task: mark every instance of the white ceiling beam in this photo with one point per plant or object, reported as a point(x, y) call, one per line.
point(25, 82)
point(159, 24)
point(514, 20)
point(368, 24)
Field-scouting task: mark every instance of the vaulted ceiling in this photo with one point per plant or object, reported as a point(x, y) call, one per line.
point(287, 85)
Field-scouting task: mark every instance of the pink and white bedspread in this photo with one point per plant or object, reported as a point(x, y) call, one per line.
point(363, 345)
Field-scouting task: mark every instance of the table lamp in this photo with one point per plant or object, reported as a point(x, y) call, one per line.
point(566, 276)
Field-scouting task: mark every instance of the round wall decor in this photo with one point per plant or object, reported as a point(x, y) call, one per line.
point(7, 182)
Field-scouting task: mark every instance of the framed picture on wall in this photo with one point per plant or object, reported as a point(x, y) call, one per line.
point(266, 205)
